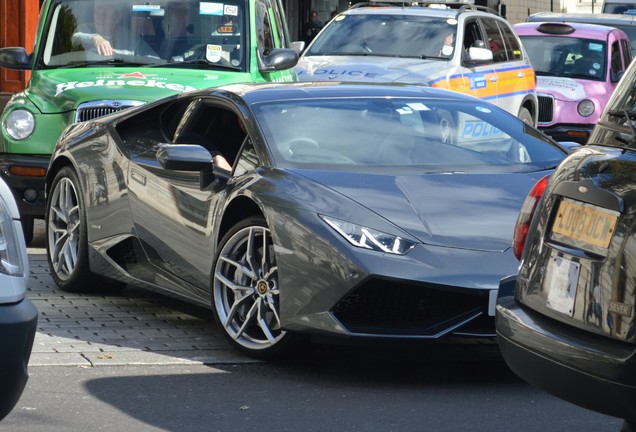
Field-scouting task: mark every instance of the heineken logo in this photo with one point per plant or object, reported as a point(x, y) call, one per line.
point(133, 79)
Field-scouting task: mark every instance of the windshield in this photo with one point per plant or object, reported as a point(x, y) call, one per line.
point(121, 32)
point(567, 56)
point(423, 134)
point(395, 36)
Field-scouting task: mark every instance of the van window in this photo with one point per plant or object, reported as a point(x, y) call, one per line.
point(627, 53)
point(513, 49)
point(495, 41)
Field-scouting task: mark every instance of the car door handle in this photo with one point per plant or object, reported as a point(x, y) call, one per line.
point(493, 78)
point(138, 177)
point(521, 75)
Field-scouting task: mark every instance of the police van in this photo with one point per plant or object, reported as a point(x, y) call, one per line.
point(456, 46)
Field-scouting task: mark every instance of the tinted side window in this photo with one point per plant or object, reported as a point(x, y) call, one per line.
point(495, 40)
point(627, 53)
point(264, 27)
point(513, 48)
point(472, 34)
point(616, 65)
point(278, 18)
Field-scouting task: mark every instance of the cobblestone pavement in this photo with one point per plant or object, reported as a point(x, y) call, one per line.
point(127, 327)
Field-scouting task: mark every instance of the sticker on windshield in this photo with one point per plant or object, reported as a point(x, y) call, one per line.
point(419, 106)
point(483, 109)
point(451, 21)
point(146, 8)
point(209, 8)
point(230, 10)
point(213, 53)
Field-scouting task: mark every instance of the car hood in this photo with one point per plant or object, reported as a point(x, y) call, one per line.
point(61, 90)
point(468, 211)
point(569, 89)
point(369, 68)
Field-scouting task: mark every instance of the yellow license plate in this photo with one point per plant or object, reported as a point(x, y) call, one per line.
point(585, 223)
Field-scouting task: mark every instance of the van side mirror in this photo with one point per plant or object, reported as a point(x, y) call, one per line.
point(277, 59)
point(479, 55)
point(15, 58)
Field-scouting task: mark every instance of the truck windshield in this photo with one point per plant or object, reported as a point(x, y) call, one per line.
point(192, 32)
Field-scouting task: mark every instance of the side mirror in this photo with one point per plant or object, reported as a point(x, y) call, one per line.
point(298, 46)
point(187, 157)
point(278, 59)
point(15, 58)
point(479, 55)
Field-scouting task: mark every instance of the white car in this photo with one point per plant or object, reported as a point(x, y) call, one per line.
point(18, 316)
point(469, 49)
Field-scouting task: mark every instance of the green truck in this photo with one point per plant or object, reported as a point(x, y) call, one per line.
point(95, 57)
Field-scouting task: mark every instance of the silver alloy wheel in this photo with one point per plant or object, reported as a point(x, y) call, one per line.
point(245, 289)
point(64, 228)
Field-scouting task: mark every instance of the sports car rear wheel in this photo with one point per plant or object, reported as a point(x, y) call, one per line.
point(66, 234)
point(245, 290)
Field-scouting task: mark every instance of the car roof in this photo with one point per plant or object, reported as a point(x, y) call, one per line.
point(593, 31)
point(598, 18)
point(263, 92)
point(427, 8)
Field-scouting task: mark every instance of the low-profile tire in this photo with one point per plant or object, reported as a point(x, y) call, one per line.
point(66, 240)
point(245, 291)
point(27, 223)
point(525, 116)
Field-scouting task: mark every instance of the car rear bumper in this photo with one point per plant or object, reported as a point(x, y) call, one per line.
point(588, 370)
point(18, 323)
point(20, 183)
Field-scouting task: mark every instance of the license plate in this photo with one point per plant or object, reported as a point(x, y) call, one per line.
point(584, 223)
point(561, 282)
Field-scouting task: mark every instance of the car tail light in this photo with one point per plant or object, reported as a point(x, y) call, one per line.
point(525, 215)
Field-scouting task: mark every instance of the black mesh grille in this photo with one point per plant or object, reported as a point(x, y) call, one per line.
point(98, 108)
point(546, 107)
point(84, 114)
point(393, 308)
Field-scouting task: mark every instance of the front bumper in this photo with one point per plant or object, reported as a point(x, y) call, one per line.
point(18, 323)
point(19, 184)
point(568, 132)
point(588, 370)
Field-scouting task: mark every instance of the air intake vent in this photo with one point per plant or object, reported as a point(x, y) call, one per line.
point(95, 109)
point(546, 108)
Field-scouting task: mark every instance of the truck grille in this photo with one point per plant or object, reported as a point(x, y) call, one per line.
point(94, 109)
point(546, 108)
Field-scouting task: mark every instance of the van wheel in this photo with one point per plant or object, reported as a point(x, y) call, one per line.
point(525, 116)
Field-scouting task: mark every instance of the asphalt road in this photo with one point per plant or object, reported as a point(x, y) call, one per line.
point(136, 361)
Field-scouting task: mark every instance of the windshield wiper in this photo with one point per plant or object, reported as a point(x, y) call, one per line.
point(197, 62)
point(108, 62)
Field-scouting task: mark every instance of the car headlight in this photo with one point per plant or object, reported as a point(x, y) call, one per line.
point(585, 108)
point(368, 238)
point(10, 252)
point(19, 124)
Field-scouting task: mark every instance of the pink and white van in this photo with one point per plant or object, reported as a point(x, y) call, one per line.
point(577, 67)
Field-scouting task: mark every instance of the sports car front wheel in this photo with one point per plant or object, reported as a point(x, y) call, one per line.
point(245, 291)
point(67, 249)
